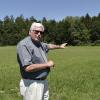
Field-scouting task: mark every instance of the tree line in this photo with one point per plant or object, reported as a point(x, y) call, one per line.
point(84, 30)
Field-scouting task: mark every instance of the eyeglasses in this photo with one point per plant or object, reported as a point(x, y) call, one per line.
point(36, 32)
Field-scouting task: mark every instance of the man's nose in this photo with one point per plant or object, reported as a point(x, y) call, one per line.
point(39, 33)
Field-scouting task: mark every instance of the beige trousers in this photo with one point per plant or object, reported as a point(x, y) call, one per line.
point(34, 89)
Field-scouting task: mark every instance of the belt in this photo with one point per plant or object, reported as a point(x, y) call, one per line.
point(43, 78)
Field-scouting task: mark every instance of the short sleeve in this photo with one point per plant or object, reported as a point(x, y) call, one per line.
point(46, 47)
point(23, 56)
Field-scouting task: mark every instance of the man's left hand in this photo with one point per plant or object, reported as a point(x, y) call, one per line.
point(63, 45)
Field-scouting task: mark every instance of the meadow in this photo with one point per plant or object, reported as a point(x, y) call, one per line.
point(76, 75)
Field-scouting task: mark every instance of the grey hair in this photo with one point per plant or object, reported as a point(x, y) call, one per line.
point(37, 26)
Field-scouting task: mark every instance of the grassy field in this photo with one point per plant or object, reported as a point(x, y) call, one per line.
point(76, 75)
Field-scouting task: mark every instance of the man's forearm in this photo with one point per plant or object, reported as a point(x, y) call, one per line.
point(53, 46)
point(36, 67)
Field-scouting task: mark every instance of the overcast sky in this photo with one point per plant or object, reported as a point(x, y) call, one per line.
point(51, 9)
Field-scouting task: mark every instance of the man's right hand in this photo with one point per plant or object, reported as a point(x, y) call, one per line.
point(50, 63)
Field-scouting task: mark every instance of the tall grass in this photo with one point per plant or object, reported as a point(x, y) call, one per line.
point(76, 75)
point(9, 74)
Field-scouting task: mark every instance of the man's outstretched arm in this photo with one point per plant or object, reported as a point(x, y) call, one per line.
point(53, 46)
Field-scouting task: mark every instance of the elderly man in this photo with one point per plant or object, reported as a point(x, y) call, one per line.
point(34, 65)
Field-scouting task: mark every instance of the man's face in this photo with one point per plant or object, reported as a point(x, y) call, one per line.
point(36, 35)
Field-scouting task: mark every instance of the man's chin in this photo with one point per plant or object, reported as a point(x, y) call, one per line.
point(37, 40)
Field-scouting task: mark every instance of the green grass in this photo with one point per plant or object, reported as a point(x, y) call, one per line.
point(9, 74)
point(76, 75)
